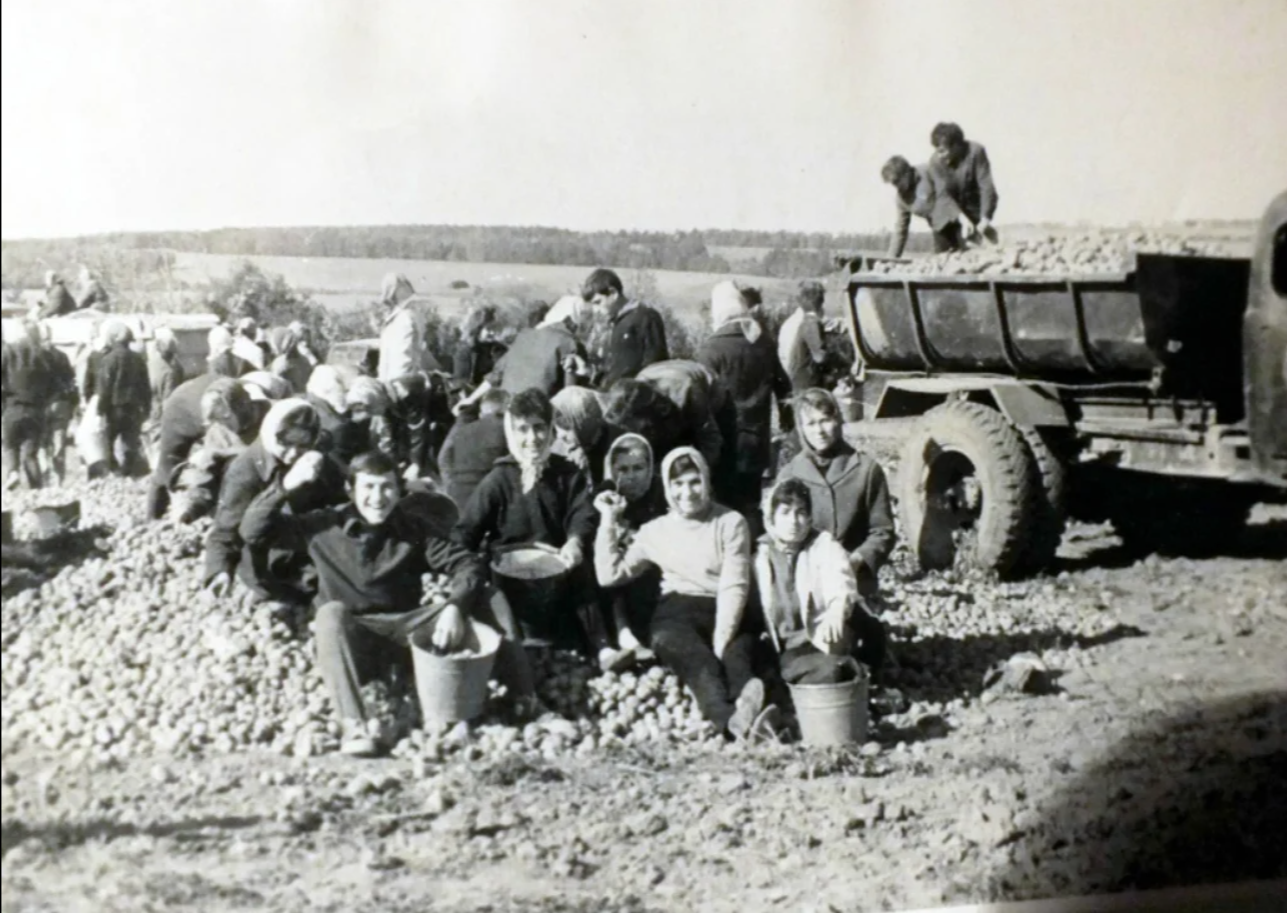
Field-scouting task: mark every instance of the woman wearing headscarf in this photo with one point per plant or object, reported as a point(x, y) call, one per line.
point(367, 403)
point(581, 434)
point(403, 347)
point(289, 361)
point(547, 357)
point(124, 393)
point(289, 432)
point(327, 393)
point(231, 417)
point(745, 359)
point(222, 359)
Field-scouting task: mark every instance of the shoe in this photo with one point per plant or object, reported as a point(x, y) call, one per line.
point(767, 726)
point(748, 706)
point(887, 702)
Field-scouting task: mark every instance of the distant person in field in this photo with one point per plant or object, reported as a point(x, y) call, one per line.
point(120, 381)
point(742, 355)
point(403, 347)
point(547, 357)
point(245, 343)
point(964, 175)
point(916, 194)
point(57, 301)
point(636, 334)
point(91, 293)
point(800, 346)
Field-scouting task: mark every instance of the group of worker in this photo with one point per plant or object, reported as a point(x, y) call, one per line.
point(953, 192)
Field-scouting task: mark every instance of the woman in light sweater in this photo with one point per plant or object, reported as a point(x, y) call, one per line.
point(704, 553)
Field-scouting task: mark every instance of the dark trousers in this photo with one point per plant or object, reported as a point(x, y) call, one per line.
point(23, 426)
point(682, 633)
point(865, 640)
point(125, 441)
point(948, 238)
point(174, 449)
point(55, 436)
point(353, 648)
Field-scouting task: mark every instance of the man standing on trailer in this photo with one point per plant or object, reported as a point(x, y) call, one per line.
point(916, 194)
point(963, 173)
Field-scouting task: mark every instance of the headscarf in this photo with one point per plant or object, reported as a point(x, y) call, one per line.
point(165, 341)
point(219, 341)
point(326, 384)
point(729, 305)
point(283, 340)
point(819, 457)
point(395, 288)
point(668, 462)
point(766, 510)
point(531, 469)
point(368, 393)
point(264, 385)
point(285, 415)
point(622, 442)
point(578, 410)
point(117, 332)
point(571, 307)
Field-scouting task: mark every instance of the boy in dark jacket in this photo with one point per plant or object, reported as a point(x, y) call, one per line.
point(636, 334)
point(473, 447)
point(743, 357)
point(370, 556)
point(120, 381)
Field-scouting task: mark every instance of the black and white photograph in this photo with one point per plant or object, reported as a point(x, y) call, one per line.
point(586, 456)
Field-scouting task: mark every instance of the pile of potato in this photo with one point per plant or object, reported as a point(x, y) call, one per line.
point(1097, 252)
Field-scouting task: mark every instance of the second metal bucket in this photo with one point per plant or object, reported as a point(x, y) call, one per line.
point(832, 714)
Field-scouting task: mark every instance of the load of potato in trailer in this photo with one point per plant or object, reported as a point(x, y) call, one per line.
point(1156, 398)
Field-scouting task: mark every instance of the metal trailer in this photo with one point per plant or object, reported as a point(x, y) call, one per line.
point(1155, 398)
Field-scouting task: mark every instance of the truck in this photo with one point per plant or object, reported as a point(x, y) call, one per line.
point(1155, 398)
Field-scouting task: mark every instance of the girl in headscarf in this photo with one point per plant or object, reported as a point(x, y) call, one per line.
point(580, 432)
point(289, 433)
point(703, 552)
point(848, 490)
point(120, 381)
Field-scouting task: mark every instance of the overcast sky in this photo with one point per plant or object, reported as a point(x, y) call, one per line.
point(135, 114)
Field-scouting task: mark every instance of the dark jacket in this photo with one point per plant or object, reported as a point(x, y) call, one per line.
point(165, 374)
point(473, 362)
point(62, 376)
point(230, 365)
point(469, 453)
point(850, 501)
point(58, 301)
point(368, 569)
point(252, 471)
point(637, 339)
point(341, 437)
point(27, 379)
point(119, 379)
point(556, 509)
point(536, 360)
point(753, 375)
point(969, 183)
point(706, 411)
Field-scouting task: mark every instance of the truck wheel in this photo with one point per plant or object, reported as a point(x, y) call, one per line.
point(1051, 504)
point(966, 489)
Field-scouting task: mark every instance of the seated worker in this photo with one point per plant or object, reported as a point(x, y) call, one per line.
point(703, 552)
point(231, 416)
point(289, 430)
point(532, 495)
point(628, 470)
point(848, 491)
point(370, 555)
point(473, 447)
point(806, 586)
point(579, 429)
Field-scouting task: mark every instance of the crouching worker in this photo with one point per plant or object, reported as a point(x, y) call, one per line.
point(370, 556)
point(703, 551)
point(813, 613)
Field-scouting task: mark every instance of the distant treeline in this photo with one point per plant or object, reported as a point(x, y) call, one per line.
point(777, 253)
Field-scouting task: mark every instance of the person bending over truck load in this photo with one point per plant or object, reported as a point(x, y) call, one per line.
point(963, 174)
point(473, 446)
point(370, 556)
point(848, 490)
point(916, 194)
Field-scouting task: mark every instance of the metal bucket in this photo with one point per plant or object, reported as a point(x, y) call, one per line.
point(541, 603)
point(832, 714)
point(55, 518)
point(453, 688)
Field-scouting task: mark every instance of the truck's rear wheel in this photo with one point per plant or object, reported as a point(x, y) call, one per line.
point(966, 482)
point(1051, 505)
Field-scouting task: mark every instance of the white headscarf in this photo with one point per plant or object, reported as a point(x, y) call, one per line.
point(531, 469)
point(274, 422)
point(728, 305)
point(327, 384)
point(571, 307)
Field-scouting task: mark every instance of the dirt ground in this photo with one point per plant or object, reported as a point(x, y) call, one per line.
point(1154, 759)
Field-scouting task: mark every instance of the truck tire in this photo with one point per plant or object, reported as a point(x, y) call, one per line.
point(1051, 506)
point(965, 474)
